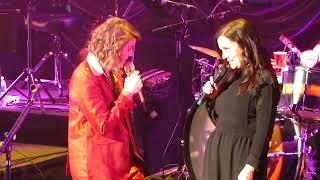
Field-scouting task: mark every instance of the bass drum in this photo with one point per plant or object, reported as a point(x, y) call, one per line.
point(282, 158)
point(197, 129)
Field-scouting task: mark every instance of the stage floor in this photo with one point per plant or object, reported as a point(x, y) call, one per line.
point(32, 161)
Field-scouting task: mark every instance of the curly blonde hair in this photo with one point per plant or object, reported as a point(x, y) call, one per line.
point(110, 36)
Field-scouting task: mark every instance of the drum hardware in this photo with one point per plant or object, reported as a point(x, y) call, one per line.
point(55, 24)
point(304, 133)
point(176, 172)
point(308, 58)
point(281, 154)
point(202, 70)
point(301, 86)
point(308, 150)
point(206, 51)
point(301, 143)
point(288, 44)
point(293, 58)
point(156, 83)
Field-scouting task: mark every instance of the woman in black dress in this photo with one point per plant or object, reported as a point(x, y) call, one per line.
point(243, 110)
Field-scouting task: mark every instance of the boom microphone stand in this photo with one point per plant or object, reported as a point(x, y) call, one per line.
point(6, 146)
point(183, 29)
point(29, 72)
point(181, 34)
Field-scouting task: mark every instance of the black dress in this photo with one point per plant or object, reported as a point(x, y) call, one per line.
point(244, 125)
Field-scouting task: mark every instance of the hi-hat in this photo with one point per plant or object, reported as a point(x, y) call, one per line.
point(206, 51)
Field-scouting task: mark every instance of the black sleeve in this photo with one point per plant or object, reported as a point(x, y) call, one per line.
point(266, 107)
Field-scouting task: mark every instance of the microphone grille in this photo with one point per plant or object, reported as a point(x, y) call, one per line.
point(129, 67)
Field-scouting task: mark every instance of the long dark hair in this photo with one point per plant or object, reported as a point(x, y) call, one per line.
point(255, 59)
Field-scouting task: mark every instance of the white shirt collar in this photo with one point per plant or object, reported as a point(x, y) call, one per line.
point(94, 65)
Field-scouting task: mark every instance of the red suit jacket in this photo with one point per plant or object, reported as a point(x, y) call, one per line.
point(98, 135)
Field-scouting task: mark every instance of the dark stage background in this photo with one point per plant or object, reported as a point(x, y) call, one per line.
point(297, 19)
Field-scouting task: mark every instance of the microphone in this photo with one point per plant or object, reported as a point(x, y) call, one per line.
point(218, 76)
point(178, 4)
point(289, 44)
point(129, 68)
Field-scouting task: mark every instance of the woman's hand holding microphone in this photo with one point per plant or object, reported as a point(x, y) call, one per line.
point(208, 87)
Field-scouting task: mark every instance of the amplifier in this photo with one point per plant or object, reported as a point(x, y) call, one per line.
point(157, 82)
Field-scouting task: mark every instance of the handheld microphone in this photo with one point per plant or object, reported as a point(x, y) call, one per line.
point(218, 76)
point(129, 68)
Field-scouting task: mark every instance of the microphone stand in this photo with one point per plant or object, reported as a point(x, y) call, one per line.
point(188, 21)
point(183, 29)
point(116, 8)
point(6, 146)
point(125, 14)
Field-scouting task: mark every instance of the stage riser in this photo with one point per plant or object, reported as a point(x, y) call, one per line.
point(54, 169)
point(36, 128)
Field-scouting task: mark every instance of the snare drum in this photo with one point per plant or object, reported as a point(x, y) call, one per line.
point(197, 129)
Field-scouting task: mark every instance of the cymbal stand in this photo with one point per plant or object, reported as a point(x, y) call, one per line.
point(301, 141)
point(305, 88)
point(29, 72)
point(58, 56)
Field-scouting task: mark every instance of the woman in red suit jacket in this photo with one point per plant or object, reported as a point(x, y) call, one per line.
point(100, 141)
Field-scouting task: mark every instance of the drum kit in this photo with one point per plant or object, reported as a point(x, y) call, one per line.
point(202, 69)
point(295, 136)
point(295, 143)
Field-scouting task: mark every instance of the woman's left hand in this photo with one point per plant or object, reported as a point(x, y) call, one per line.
point(246, 173)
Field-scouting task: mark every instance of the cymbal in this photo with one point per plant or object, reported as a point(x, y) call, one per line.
point(206, 51)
